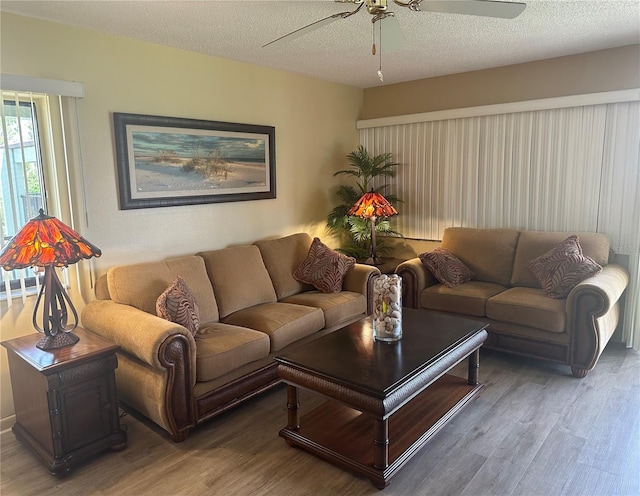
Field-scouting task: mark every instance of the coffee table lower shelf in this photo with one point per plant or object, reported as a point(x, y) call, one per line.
point(345, 437)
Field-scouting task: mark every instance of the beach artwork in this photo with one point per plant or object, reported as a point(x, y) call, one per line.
point(195, 163)
point(167, 165)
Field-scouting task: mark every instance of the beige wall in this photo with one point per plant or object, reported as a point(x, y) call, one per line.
point(313, 136)
point(593, 72)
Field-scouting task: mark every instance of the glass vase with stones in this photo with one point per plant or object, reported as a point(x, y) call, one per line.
point(387, 308)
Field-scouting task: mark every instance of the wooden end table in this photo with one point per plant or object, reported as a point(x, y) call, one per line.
point(386, 400)
point(65, 399)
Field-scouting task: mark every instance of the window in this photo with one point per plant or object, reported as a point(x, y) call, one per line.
point(38, 148)
point(22, 192)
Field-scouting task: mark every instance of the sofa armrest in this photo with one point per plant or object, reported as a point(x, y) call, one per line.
point(593, 311)
point(360, 280)
point(139, 334)
point(415, 278)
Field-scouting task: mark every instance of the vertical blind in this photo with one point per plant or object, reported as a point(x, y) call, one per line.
point(50, 100)
point(22, 191)
point(575, 168)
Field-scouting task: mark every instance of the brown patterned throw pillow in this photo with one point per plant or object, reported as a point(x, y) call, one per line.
point(446, 267)
point(562, 267)
point(323, 268)
point(178, 305)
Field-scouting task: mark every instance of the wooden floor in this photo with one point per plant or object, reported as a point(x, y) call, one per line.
point(534, 430)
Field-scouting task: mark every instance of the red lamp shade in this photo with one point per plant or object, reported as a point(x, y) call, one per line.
point(46, 242)
point(372, 204)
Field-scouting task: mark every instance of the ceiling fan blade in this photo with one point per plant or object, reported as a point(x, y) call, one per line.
point(313, 26)
point(487, 8)
point(392, 36)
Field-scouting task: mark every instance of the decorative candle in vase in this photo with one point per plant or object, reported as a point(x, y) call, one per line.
point(387, 308)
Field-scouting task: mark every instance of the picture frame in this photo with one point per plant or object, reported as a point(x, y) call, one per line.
point(170, 161)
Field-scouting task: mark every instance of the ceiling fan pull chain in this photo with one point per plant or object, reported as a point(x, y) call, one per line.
point(380, 75)
point(373, 46)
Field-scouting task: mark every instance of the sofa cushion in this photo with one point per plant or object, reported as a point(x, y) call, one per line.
point(239, 278)
point(532, 244)
point(222, 348)
point(140, 285)
point(324, 268)
point(529, 307)
point(284, 323)
point(487, 252)
point(446, 267)
point(101, 288)
point(178, 305)
point(469, 298)
point(282, 257)
point(337, 307)
point(562, 267)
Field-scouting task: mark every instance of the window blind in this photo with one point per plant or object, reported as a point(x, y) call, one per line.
point(21, 179)
point(34, 174)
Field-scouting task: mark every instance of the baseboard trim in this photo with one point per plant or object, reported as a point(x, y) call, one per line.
point(6, 423)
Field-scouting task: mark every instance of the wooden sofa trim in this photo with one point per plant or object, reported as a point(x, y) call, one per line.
point(235, 392)
point(179, 409)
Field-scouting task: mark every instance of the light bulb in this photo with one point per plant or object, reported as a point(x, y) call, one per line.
point(380, 76)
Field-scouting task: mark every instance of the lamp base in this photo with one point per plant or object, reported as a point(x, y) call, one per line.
point(60, 340)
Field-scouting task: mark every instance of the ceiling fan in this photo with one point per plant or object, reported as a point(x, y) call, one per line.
point(393, 34)
point(379, 11)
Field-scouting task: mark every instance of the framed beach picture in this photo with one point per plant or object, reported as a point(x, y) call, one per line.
point(169, 161)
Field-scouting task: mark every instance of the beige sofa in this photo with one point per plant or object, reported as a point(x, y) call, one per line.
point(505, 293)
point(250, 307)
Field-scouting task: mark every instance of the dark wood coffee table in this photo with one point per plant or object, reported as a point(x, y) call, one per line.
point(386, 400)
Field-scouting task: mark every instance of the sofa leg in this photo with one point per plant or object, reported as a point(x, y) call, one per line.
point(578, 372)
point(180, 436)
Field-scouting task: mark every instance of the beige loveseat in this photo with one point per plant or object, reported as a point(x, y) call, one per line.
point(505, 293)
point(250, 309)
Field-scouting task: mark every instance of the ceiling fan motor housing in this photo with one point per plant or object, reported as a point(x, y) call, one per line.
point(376, 6)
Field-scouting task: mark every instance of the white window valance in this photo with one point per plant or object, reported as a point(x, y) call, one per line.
point(14, 82)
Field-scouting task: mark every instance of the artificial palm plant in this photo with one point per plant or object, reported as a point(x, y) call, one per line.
point(353, 232)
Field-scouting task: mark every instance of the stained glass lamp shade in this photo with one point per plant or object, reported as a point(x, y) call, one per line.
point(46, 242)
point(372, 206)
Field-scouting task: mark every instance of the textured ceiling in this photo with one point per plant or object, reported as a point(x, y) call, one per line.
point(437, 44)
